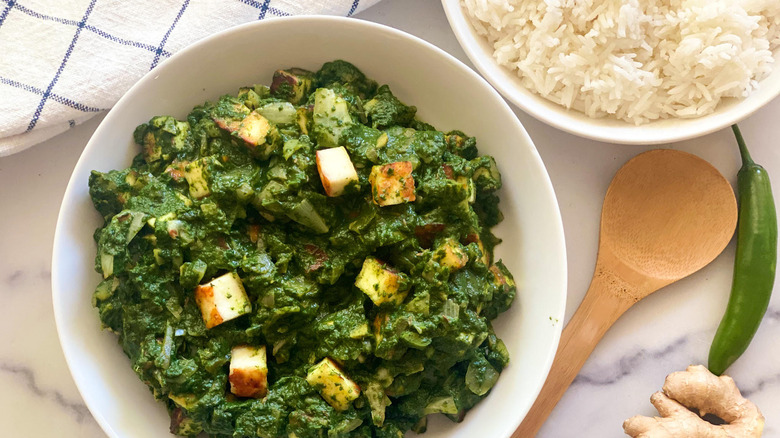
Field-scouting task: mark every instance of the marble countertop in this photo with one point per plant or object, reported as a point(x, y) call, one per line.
point(664, 333)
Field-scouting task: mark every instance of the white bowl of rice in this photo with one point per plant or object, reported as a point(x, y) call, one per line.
point(626, 71)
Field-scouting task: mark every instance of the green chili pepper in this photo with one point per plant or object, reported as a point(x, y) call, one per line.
point(754, 264)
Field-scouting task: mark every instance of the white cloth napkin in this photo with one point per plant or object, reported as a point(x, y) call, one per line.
point(64, 61)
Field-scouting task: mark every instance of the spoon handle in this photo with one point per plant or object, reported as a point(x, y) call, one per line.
point(600, 308)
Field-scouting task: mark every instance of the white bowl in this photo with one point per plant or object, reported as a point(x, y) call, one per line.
point(447, 94)
point(605, 129)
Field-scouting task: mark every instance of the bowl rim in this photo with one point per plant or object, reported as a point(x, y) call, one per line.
point(58, 276)
point(577, 123)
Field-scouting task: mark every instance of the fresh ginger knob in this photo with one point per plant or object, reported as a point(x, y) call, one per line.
point(697, 388)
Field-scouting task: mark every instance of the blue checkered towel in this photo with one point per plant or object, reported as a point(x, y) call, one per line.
point(64, 61)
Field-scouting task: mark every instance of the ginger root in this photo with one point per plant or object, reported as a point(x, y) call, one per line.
point(698, 389)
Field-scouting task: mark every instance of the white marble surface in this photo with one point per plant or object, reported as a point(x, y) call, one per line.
point(664, 333)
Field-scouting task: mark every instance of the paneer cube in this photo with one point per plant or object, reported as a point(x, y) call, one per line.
point(380, 282)
point(336, 170)
point(248, 371)
point(254, 128)
point(222, 299)
point(392, 183)
point(334, 386)
point(292, 84)
point(451, 255)
point(233, 122)
point(250, 126)
point(195, 175)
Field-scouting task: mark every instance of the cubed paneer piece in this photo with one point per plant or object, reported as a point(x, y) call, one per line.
point(292, 84)
point(392, 183)
point(380, 282)
point(451, 255)
point(196, 179)
point(232, 122)
point(248, 371)
point(250, 126)
point(222, 299)
point(336, 170)
point(254, 128)
point(334, 386)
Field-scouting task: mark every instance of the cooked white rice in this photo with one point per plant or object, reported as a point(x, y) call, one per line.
point(637, 60)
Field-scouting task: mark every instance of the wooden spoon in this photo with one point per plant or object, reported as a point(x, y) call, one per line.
point(666, 215)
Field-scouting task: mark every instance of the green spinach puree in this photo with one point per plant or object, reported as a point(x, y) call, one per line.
point(265, 283)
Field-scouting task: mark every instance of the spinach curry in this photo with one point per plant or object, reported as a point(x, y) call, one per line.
point(302, 260)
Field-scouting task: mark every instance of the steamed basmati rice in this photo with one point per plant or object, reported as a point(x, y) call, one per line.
point(636, 60)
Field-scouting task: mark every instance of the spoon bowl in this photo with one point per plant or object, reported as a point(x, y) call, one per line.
point(666, 215)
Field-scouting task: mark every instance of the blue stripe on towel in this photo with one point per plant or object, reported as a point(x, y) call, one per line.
point(264, 9)
point(53, 96)
point(6, 11)
point(279, 12)
point(91, 28)
point(34, 14)
point(125, 42)
point(253, 3)
point(64, 62)
point(353, 8)
point(160, 49)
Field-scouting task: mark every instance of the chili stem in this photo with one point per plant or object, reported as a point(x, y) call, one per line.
point(743, 150)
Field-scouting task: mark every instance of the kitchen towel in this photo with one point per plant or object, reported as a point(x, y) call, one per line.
point(64, 61)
